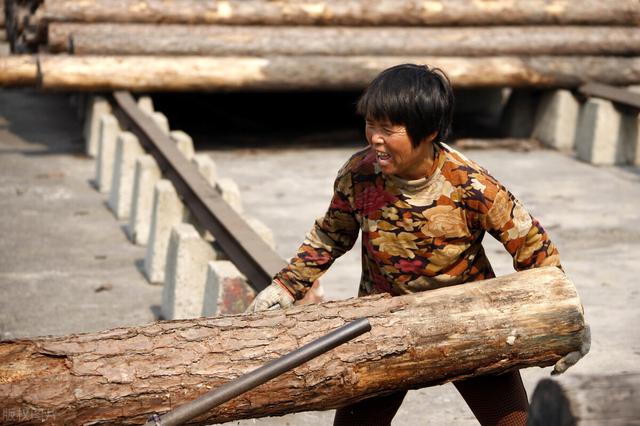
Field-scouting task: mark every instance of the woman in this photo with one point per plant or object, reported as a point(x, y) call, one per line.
point(423, 209)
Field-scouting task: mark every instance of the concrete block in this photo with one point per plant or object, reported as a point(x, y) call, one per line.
point(206, 167)
point(145, 103)
point(230, 193)
point(109, 130)
point(96, 108)
point(161, 121)
point(262, 230)
point(186, 273)
point(597, 135)
point(147, 174)
point(226, 290)
point(630, 138)
point(556, 120)
point(184, 143)
point(128, 149)
point(167, 211)
point(518, 113)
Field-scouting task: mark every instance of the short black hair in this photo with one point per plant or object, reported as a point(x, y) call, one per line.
point(415, 96)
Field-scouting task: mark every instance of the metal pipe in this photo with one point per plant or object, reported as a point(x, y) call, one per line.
point(261, 375)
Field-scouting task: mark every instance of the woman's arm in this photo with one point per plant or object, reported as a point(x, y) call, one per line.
point(497, 211)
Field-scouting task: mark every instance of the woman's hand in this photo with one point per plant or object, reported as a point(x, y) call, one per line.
point(275, 295)
point(573, 357)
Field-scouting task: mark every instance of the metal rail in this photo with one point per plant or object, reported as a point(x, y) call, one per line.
point(261, 375)
point(614, 94)
point(251, 255)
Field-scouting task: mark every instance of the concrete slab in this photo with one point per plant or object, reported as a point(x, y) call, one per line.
point(597, 135)
point(186, 273)
point(128, 149)
point(206, 167)
point(184, 143)
point(168, 211)
point(556, 120)
point(146, 104)
point(109, 130)
point(65, 264)
point(147, 174)
point(161, 120)
point(96, 107)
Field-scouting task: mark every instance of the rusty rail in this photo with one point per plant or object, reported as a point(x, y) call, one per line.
point(251, 255)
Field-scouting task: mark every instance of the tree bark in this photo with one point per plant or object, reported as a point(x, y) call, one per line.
point(175, 39)
point(21, 70)
point(186, 73)
point(346, 12)
point(586, 400)
point(123, 375)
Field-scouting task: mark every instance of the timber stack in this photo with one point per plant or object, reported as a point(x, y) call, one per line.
point(149, 45)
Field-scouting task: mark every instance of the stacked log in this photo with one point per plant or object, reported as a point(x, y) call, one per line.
point(121, 376)
point(535, 42)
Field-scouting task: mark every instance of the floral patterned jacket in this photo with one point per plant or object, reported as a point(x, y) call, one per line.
point(418, 235)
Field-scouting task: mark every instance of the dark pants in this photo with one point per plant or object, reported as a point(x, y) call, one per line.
point(494, 400)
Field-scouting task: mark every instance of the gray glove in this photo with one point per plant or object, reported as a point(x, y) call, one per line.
point(275, 295)
point(572, 357)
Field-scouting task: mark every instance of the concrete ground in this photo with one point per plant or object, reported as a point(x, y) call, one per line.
point(66, 265)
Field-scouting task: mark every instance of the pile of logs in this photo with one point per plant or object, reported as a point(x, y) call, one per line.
point(327, 44)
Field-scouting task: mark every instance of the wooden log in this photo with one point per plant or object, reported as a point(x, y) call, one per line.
point(185, 73)
point(21, 70)
point(120, 376)
point(586, 400)
point(229, 40)
point(346, 12)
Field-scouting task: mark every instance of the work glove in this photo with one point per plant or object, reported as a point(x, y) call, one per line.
point(572, 357)
point(275, 295)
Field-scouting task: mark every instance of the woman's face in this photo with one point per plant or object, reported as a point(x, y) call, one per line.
point(395, 154)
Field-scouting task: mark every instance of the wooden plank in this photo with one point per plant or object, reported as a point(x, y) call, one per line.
point(530, 318)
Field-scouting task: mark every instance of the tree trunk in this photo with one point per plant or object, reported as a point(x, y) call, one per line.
point(186, 73)
point(172, 39)
point(19, 70)
point(586, 400)
point(121, 376)
point(346, 12)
